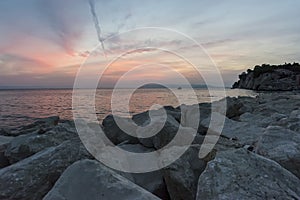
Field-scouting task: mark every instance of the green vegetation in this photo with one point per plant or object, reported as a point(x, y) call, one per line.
point(265, 68)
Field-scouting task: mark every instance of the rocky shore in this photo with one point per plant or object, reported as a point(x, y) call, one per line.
point(256, 157)
point(266, 77)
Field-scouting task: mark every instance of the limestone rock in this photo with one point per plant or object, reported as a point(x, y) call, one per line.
point(182, 176)
point(33, 177)
point(4, 142)
point(240, 174)
point(281, 145)
point(87, 179)
point(243, 132)
point(115, 133)
point(151, 181)
point(26, 145)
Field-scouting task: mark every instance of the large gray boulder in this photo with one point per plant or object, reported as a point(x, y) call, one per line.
point(144, 117)
point(26, 145)
point(33, 177)
point(87, 179)
point(260, 120)
point(269, 103)
point(5, 132)
point(165, 129)
point(281, 145)
point(115, 134)
point(291, 122)
point(240, 174)
point(243, 132)
point(234, 106)
point(192, 115)
point(151, 181)
point(181, 177)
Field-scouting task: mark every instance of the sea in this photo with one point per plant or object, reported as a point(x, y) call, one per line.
point(21, 107)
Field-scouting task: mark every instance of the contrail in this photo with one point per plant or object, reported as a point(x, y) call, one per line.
point(96, 22)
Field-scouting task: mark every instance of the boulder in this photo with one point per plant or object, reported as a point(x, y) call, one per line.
point(33, 177)
point(144, 118)
point(26, 145)
point(5, 132)
point(4, 142)
point(192, 115)
point(295, 114)
point(270, 103)
point(243, 132)
point(181, 177)
point(260, 120)
point(281, 145)
point(291, 122)
point(175, 112)
point(151, 181)
point(114, 132)
point(240, 174)
point(165, 130)
point(88, 179)
point(234, 106)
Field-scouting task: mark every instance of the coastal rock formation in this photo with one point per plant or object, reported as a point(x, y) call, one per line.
point(256, 155)
point(284, 77)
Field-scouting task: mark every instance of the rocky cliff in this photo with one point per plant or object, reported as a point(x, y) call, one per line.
point(266, 77)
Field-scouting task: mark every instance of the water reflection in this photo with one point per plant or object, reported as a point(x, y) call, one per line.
point(23, 106)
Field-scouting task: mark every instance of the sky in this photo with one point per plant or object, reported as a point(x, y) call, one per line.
point(43, 43)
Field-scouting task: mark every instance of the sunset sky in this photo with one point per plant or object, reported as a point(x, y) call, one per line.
point(43, 42)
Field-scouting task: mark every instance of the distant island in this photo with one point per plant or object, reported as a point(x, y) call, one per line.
point(194, 86)
point(268, 77)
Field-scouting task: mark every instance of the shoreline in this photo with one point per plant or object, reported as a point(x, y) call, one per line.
point(261, 132)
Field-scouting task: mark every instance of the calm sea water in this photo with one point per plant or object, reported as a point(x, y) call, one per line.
point(19, 107)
